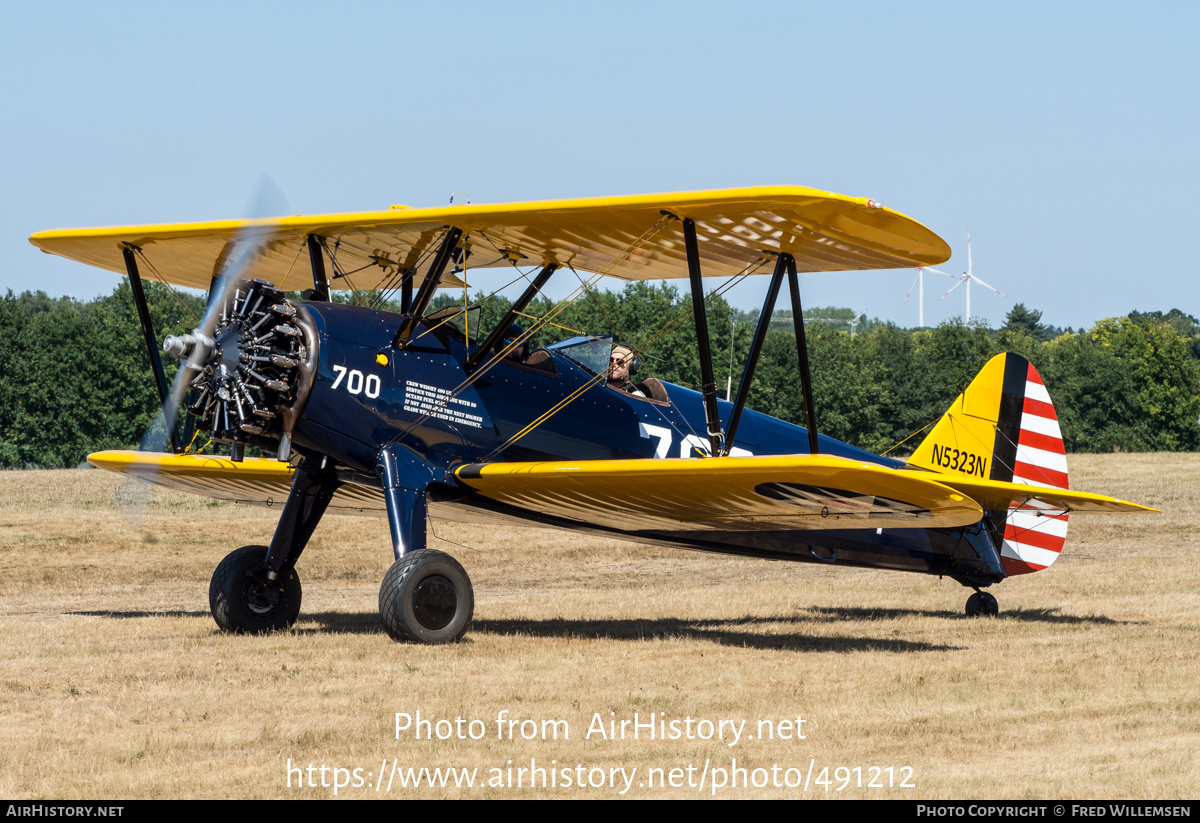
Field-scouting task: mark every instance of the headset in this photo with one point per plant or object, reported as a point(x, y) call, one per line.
point(634, 362)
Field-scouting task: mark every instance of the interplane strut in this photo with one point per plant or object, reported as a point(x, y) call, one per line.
point(709, 383)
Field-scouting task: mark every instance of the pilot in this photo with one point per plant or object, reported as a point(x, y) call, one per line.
point(623, 366)
point(518, 353)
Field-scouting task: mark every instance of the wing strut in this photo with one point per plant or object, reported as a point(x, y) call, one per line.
point(760, 334)
point(316, 256)
point(712, 416)
point(502, 327)
point(139, 300)
point(417, 310)
point(810, 413)
point(406, 291)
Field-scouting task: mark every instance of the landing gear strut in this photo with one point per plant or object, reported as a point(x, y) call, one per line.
point(982, 604)
point(256, 589)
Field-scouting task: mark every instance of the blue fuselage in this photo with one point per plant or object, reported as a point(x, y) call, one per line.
point(368, 394)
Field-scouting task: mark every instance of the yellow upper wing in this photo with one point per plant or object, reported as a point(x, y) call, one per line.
point(822, 230)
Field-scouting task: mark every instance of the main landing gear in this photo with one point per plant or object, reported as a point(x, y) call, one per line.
point(244, 598)
point(426, 597)
point(982, 604)
point(255, 589)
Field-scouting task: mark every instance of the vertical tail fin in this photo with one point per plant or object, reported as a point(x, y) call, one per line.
point(1004, 427)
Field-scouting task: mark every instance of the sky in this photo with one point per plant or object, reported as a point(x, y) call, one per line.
point(1062, 135)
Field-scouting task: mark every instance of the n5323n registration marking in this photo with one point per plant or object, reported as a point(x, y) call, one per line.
point(960, 461)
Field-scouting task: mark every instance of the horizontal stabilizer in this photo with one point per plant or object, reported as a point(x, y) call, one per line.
point(1000, 443)
point(994, 495)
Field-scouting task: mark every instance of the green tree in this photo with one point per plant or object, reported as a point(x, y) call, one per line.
point(904, 379)
point(1021, 319)
point(951, 355)
point(1165, 379)
point(1094, 396)
point(1185, 325)
point(77, 376)
point(1125, 385)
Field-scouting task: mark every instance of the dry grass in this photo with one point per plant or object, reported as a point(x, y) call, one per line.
point(114, 681)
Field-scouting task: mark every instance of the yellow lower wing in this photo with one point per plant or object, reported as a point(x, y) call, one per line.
point(253, 481)
point(726, 493)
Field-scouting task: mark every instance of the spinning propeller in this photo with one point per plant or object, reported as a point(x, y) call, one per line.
point(241, 364)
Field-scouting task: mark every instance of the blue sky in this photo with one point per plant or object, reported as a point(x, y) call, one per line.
point(1062, 135)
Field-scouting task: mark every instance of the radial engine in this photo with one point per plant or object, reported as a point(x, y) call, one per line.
point(258, 371)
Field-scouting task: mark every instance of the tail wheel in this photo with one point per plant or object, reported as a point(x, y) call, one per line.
point(426, 597)
point(982, 604)
point(242, 599)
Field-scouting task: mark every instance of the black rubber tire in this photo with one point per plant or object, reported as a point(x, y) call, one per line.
point(232, 595)
point(426, 597)
point(982, 604)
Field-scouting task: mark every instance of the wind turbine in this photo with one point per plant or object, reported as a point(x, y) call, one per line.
point(920, 279)
point(967, 278)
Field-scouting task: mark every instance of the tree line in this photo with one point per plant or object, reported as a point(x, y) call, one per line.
point(75, 377)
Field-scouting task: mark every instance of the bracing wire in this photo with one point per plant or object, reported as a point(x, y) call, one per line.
point(560, 307)
point(158, 276)
point(641, 349)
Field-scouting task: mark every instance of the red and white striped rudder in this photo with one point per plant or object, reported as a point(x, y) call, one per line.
point(1035, 533)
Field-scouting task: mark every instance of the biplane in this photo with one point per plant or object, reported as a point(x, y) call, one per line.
point(420, 414)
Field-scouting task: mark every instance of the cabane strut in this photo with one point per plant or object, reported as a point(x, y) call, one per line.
point(425, 294)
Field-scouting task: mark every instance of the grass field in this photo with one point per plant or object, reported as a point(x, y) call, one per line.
point(115, 683)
